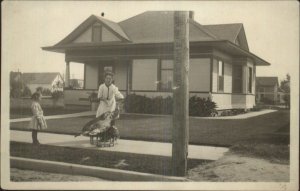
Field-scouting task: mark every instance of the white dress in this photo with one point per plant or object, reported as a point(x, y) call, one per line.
point(38, 121)
point(110, 94)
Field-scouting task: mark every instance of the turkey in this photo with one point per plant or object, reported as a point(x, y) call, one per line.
point(102, 127)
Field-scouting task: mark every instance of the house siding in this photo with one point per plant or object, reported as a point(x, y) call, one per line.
point(91, 79)
point(269, 92)
point(107, 36)
point(86, 36)
point(144, 74)
point(223, 101)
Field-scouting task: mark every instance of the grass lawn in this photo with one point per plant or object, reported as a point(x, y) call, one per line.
point(271, 128)
point(118, 160)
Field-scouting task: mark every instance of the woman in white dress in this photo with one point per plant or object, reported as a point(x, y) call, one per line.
point(108, 93)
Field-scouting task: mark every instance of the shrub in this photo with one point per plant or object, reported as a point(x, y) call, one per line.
point(15, 93)
point(39, 89)
point(266, 100)
point(57, 94)
point(256, 108)
point(202, 107)
point(26, 92)
point(46, 92)
point(16, 88)
point(93, 97)
point(159, 105)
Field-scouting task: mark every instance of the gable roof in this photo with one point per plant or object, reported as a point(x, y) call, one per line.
point(231, 32)
point(39, 78)
point(266, 81)
point(112, 26)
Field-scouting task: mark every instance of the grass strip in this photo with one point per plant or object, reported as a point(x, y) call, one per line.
point(274, 153)
point(118, 160)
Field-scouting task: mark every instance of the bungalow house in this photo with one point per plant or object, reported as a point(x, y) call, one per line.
point(47, 80)
point(267, 90)
point(139, 50)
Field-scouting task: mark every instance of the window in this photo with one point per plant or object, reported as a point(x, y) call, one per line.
point(220, 76)
point(237, 82)
point(250, 80)
point(166, 78)
point(97, 33)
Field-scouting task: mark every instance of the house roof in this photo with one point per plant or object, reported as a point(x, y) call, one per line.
point(225, 31)
point(158, 27)
point(232, 32)
point(114, 27)
point(39, 78)
point(267, 81)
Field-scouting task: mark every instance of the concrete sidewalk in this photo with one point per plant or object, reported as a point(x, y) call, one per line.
point(90, 113)
point(81, 114)
point(128, 146)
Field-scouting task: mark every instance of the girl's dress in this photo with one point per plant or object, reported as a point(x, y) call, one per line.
point(109, 93)
point(38, 121)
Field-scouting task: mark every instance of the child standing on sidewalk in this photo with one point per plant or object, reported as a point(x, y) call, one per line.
point(37, 121)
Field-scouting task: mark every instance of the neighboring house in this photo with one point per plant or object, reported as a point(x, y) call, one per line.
point(139, 50)
point(267, 90)
point(52, 81)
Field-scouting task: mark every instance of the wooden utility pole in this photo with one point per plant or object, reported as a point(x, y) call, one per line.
point(180, 132)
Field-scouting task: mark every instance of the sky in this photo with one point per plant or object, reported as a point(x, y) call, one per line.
point(272, 29)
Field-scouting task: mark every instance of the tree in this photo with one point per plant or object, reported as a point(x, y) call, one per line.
point(16, 85)
point(285, 87)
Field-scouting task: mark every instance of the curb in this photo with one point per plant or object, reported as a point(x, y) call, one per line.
point(100, 172)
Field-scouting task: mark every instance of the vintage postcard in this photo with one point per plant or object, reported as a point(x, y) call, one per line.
point(150, 95)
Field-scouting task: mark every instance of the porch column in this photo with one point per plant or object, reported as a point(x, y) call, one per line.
point(67, 76)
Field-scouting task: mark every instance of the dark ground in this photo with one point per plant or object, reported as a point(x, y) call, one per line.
point(133, 162)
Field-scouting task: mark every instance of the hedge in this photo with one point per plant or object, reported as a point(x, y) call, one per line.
point(158, 105)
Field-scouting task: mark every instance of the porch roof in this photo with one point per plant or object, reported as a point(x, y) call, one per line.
point(224, 45)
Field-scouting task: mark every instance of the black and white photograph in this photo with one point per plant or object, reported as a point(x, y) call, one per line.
point(160, 95)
